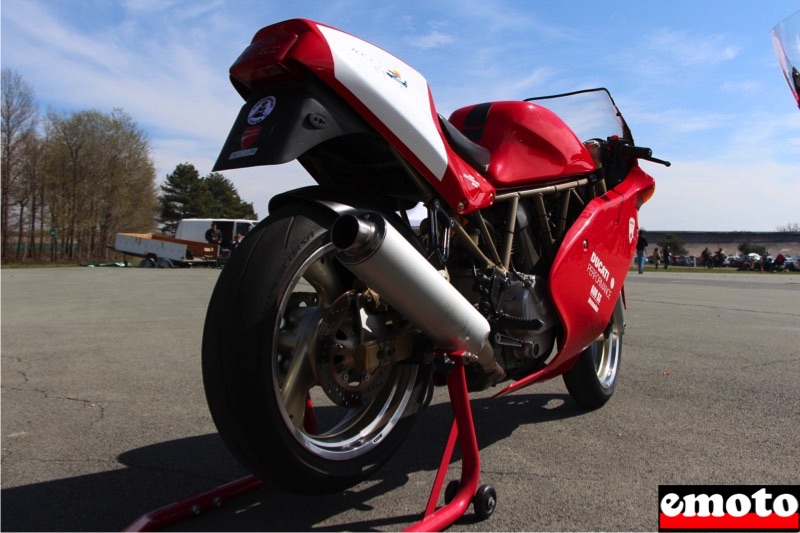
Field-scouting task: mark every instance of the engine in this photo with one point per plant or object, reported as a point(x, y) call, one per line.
point(517, 306)
point(523, 321)
point(525, 306)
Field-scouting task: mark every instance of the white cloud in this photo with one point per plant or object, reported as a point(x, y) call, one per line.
point(42, 30)
point(692, 50)
point(522, 87)
point(719, 196)
point(677, 121)
point(747, 86)
point(433, 39)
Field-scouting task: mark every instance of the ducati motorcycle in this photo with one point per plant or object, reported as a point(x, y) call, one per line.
point(498, 238)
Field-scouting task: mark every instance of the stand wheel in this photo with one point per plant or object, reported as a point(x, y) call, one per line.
point(484, 502)
point(450, 491)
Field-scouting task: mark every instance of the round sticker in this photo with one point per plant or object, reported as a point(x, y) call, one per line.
point(261, 110)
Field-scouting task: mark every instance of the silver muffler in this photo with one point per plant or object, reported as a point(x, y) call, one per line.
point(379, 255)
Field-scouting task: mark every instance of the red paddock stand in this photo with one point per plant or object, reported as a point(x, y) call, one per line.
point(458, 495)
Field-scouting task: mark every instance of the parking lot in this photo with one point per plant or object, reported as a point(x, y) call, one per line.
point(104, 416)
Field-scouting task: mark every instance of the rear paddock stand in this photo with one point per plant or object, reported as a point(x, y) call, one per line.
point(458, 495)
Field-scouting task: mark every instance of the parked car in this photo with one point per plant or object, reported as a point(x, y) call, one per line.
point(732, 261)
point(685, 260)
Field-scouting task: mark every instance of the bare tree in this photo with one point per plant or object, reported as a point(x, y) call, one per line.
point(89, 177)
point(19, 116)
point(791, 227)
point(100, 180)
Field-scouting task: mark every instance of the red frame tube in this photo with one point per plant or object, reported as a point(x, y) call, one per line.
point(183, 510)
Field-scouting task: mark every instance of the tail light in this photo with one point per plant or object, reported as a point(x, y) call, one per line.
point(263, 61)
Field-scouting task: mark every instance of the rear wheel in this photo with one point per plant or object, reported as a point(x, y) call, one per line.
point(287, 380)
point(593, 379)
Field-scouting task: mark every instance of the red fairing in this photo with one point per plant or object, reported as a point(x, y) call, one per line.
point(278, 50)
point(591, 265)
point(529, 143)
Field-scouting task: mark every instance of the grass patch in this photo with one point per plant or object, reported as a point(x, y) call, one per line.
point(12, 266)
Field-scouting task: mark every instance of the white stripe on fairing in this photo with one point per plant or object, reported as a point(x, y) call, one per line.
point(406, 111)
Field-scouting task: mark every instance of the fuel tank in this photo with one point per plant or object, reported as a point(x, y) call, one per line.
point(529, 143)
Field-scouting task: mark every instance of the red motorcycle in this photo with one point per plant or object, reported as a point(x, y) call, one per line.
point(338, 314)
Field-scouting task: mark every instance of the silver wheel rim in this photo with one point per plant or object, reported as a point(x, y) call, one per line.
point(342, 433)
point(606, 356)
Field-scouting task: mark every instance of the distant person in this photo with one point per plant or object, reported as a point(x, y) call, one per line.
point(656, 256)
point(235, 242)
point(641, 244)
point(707, 258)
point(213, 235)
point(666, 257)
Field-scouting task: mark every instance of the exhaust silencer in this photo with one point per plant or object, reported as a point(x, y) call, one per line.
point(376, 252)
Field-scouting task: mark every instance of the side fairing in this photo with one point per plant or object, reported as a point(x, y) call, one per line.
point(593, 261)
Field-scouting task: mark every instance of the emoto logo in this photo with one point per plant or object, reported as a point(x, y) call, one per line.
point(728, 507)
point(261, 110)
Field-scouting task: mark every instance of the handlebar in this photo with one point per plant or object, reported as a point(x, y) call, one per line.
point(640, 152)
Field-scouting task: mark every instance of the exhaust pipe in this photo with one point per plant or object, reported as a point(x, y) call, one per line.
point(376, 252)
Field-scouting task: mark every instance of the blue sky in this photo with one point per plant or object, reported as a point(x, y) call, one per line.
point(697, 80)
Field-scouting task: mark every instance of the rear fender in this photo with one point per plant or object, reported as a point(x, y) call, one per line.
point(279, 124)
point(339, 203)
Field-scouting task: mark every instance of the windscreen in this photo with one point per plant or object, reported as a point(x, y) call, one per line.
point(591, 114)
point(786, 38)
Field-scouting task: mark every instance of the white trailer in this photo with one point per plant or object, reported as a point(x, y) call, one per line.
point(187, 248)
point(166, 252)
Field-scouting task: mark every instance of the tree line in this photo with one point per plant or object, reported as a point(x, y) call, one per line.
point(71, 181)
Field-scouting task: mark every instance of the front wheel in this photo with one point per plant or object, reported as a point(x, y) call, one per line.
point(295, 361)
point(591, 382)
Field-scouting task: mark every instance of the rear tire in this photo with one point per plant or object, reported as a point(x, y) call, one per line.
point(261, 343)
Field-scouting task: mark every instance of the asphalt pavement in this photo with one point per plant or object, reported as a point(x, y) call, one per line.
point(104, 416)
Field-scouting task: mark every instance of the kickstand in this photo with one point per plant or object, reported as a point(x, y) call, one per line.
point(461, 432)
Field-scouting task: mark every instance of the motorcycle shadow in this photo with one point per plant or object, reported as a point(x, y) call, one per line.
point(159, 474)
point(387, 501)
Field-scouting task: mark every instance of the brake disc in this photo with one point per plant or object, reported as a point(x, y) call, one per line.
point(341, 374)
